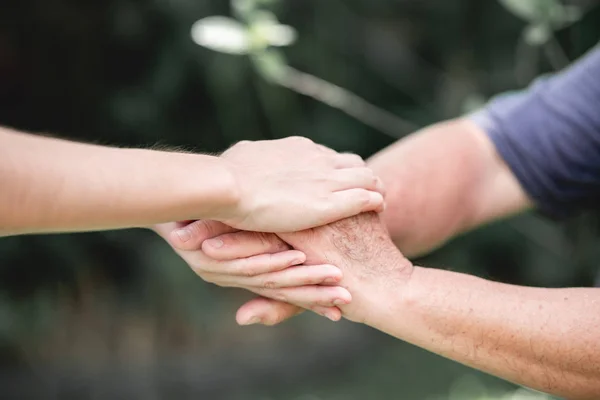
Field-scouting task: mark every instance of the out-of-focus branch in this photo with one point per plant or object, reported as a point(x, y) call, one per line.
point(556, 54)
point(344, 100)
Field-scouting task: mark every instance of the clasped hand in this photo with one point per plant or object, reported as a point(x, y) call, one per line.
point(340, 269)
point(323, 263)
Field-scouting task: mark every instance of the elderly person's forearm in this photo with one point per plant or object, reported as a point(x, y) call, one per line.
point(546, 339)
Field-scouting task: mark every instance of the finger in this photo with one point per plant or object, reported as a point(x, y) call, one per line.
point(332, 313)
point(349, 160)
point(300, 275)
point(164, 230)
point(256, 265)
point(326, 296)
point(272, 312)
point(356, 178)
point(190, 237)
point(243, 244)
point(266, 311)
point(348, 203)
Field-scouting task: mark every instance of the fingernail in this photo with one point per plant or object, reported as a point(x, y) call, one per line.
point(252, 321)
point(184, 235)
point(339, 302)
point(297, 261)
point(216, 243)
point(331, 280)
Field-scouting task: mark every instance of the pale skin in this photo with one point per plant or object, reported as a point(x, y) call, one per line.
point(440, 182)
point(49, 185)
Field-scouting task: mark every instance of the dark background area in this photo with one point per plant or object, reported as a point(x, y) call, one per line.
point(118, 315)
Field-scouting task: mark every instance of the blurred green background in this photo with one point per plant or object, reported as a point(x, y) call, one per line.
point(118, 315)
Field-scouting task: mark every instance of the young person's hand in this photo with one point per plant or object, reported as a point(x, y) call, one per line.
point(294, 184)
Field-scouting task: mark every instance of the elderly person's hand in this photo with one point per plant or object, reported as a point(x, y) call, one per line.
point(360, 246)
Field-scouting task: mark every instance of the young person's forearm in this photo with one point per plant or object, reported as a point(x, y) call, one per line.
point(546, 339)
point(51, 185)
point(442, 181)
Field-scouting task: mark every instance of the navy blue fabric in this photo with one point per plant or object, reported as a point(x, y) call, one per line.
point(549, 135)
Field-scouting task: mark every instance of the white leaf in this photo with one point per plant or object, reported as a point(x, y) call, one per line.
point(266, 26)
point(221, 34)
point(279, 35)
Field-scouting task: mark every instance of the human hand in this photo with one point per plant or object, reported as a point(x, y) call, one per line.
point(360, 246)
point(293, 184)
point(260, 263)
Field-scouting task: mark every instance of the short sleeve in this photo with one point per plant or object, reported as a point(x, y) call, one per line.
point(549, 135)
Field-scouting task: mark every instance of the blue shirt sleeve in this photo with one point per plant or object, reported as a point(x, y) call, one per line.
point(549, 135)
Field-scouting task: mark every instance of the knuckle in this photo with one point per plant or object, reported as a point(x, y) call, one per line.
point(270, 284)
point(301, 139)
point(202, 228)
point(355, 158)
point(244, 268)
point(248, 271)
point(309, 280)
point(327, 297)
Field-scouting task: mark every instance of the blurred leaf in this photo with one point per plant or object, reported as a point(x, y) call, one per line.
point(537, 35)
point(221, 34)
point(532, 10)
point(548, 12)
point(229, 36)
point(266, 28)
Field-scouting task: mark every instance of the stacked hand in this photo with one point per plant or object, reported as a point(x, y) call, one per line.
point(290, 281)
point(310, 185)
point(292, 184)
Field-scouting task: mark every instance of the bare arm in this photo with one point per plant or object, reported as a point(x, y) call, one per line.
point(442, 181)
point(53, 185)
point(546, 339)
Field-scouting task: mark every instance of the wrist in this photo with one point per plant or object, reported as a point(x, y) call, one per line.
point(398, 309)
point(380, 297)
point(236, 207)
point(222, 192)
point(186, 186)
